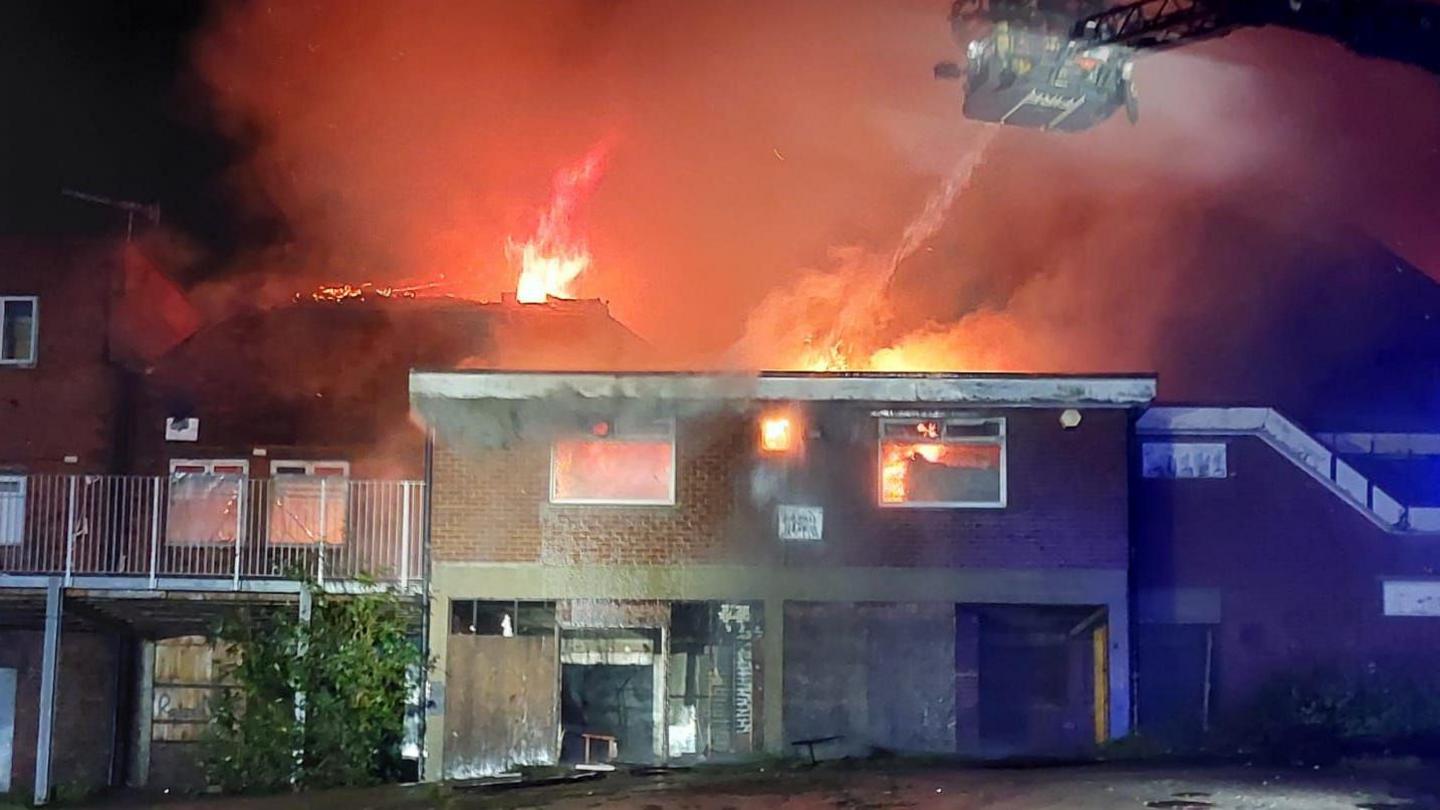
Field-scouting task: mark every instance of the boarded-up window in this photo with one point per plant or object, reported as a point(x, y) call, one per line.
point(12, 510)
point(205, 502)
point(189, 673)
point(1184, 460)
point(942, 462)
point(616, 463)
point(309, 502)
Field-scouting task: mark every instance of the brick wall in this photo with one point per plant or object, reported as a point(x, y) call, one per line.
point(84, 708)
point(1299, 571)
point(65, 405)
point(1067, 503)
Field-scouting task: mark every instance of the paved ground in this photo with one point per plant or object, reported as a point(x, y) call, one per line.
point(897, 784)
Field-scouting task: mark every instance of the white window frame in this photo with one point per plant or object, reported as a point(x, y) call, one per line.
point(34, 329)
point(616, 426)
point(8, 539)
point(1001, 438)
point(209, 464)
point(309, 468)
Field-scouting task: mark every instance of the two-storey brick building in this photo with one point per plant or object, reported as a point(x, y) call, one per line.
point(705, 565)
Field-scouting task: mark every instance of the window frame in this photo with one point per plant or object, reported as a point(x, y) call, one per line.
point(309, 467)
point(18, 539)
point(241, 500)
point(1001, 438)
point(30, 361)
point(669, 435)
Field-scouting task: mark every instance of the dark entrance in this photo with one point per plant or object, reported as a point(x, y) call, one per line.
point(1037, 683)
point(607, 690)
point(1172, 661)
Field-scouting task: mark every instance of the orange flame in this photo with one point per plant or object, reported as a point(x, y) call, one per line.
point(335, 293)
point(777, 433)
point(553, 258)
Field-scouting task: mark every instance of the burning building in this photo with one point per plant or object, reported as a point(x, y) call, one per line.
point(701, 566)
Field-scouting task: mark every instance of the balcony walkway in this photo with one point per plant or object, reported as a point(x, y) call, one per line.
point(189, 533)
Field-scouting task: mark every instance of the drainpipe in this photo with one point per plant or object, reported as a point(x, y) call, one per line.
point(429, 483)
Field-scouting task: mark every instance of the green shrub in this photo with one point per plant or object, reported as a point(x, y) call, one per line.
point(352, 663)
point(1320, 715)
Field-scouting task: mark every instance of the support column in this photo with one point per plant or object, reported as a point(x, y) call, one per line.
point(54, 604)
point(306, 604)
point(1118, 630)
point(773, 645)
point(144, 715)
point(434, 696)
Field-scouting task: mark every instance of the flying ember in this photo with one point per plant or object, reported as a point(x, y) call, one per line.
point(556, 254)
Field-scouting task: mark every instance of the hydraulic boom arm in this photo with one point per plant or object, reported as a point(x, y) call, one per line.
point(1403, 30)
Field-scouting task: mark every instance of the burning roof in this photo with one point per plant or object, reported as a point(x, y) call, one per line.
point(325, 373)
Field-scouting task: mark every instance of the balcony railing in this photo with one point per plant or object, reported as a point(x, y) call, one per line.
point(211, 527)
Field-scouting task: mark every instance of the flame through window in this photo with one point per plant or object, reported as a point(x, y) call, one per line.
point(942, 462)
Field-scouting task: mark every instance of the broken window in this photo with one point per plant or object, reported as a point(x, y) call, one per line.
point(17, 329)
point(309, 502)
point(942, 462)
point(615, 463)
point(206, 502)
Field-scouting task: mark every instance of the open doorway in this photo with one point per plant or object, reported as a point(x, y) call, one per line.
point(609, 682)
point(1043, 685)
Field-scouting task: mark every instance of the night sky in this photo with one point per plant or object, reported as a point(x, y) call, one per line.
point(95, 100)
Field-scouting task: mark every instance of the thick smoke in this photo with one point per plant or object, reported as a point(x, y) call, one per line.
point(404, 142)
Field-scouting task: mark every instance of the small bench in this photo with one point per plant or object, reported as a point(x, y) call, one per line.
point(612, 748)
point(814, 741)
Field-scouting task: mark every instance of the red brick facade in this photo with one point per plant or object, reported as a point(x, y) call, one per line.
point(1067, 504)
point(65, 404)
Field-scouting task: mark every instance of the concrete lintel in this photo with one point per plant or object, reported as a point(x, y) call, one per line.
point(1057, 586)
point(983, 389)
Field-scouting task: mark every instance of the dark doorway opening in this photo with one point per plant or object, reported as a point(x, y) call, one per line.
point(611, 701)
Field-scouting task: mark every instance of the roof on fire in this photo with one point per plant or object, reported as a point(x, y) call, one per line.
point(1027, 390)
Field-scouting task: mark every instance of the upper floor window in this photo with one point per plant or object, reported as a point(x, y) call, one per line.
point(206, 501)
point(309, 502)
point(12, 510)
point(616, 462)
point(943, 462)
point(18, 320)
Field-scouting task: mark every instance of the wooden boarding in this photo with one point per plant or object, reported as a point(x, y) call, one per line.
point(502, 703)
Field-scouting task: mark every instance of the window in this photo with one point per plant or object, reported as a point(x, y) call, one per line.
point(18, 320)
point(616, 463)
point(309, 502)
point(942, 463)
point(471, 617)
point(206, 501)
point(12, 510)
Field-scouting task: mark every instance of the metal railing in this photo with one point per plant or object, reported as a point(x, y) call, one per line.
point(211, 527)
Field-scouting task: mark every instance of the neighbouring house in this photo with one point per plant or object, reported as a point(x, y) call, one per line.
point(675, 566)
point(157, 472)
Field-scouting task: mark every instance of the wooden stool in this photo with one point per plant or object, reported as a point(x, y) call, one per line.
point(612, 749)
